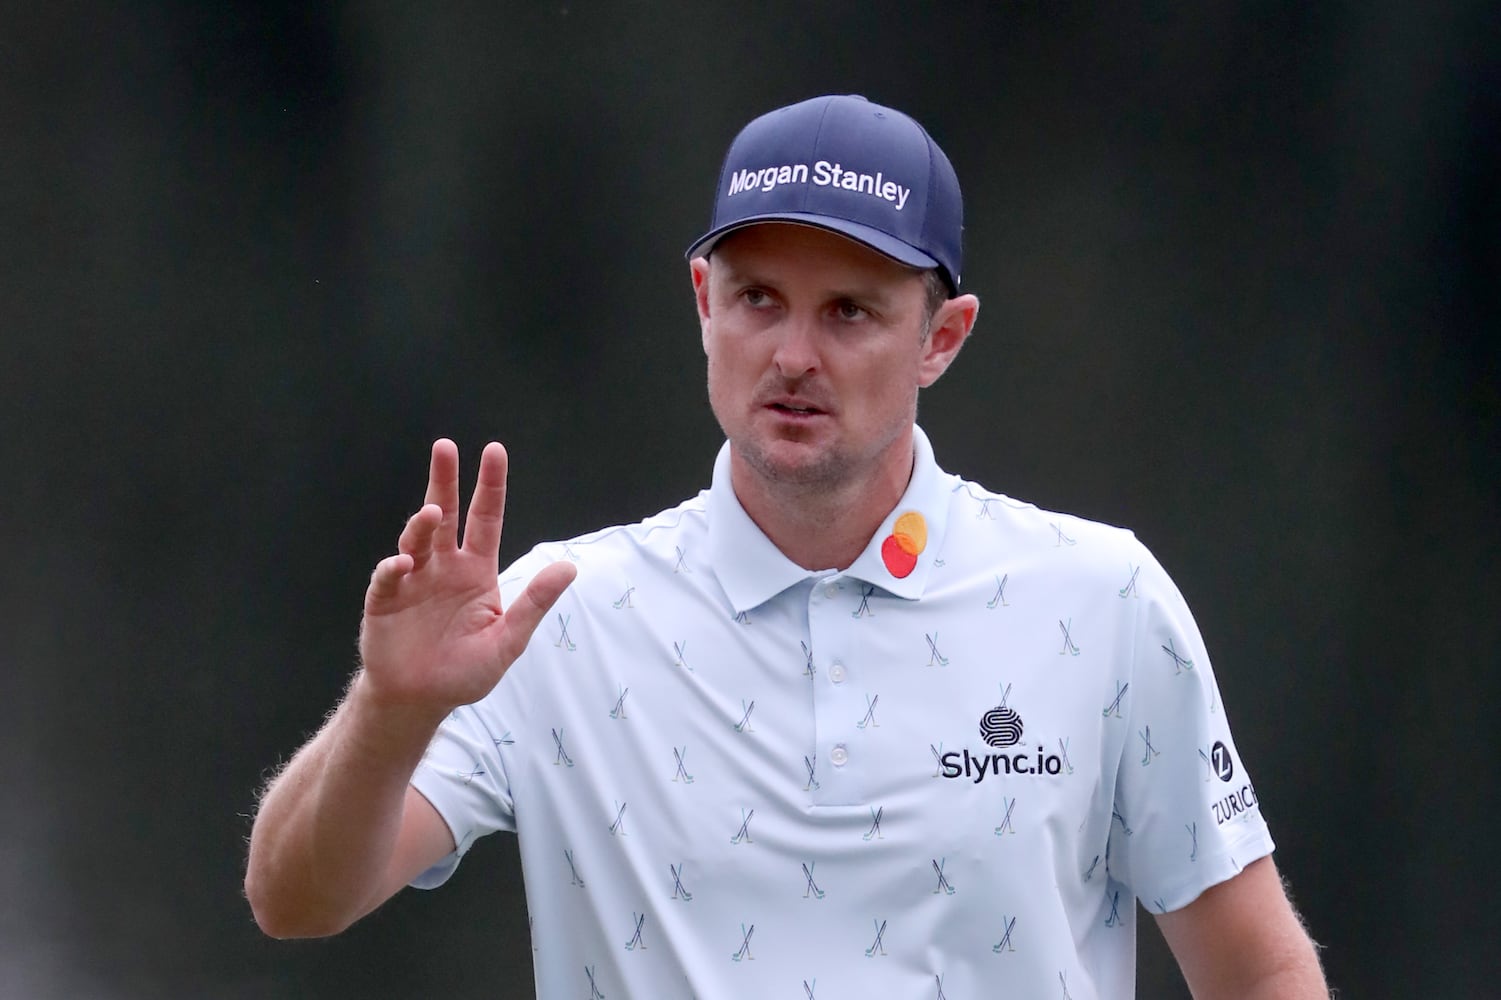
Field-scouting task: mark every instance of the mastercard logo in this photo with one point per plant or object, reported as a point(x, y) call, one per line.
point(909, 536)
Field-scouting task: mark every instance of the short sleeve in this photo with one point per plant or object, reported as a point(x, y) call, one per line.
point(1186, 813)
point(463, 771)
point(463, 776)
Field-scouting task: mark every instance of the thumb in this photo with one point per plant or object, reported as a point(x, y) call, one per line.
point(528, 610)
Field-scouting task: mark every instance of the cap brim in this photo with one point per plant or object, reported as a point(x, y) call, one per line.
point(883, 243)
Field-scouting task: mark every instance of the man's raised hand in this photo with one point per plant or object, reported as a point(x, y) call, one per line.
point(435, 635)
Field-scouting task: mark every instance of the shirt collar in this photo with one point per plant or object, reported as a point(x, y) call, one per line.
point(752, 570)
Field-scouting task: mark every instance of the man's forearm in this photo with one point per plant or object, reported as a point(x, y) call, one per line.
point(323, 839)
point(1242, 938)
point(1299, 976)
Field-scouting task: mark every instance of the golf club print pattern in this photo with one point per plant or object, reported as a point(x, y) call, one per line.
point(731, 776)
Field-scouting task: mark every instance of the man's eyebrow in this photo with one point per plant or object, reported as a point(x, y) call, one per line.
point(875, 290)
point(727, 272)
point(879, 293)
point(738, 275)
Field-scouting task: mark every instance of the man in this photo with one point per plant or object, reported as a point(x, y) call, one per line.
point(842, 725)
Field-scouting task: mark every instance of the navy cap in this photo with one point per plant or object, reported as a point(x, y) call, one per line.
point(853, 167)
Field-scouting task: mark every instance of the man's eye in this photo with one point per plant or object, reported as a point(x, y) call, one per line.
point(755, 297)
point(848, 310)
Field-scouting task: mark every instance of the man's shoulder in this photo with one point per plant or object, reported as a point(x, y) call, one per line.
point(609, 552)
point(978, 513)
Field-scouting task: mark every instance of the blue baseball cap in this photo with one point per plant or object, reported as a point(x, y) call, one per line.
point(850, 166)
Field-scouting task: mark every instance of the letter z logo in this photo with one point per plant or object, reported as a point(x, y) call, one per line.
point(1219, 759)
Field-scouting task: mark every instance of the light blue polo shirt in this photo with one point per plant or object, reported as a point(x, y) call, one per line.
point(733, 777)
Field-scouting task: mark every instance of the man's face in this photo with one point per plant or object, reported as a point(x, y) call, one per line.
point(816, 351)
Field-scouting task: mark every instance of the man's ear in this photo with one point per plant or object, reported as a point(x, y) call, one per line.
point(949, 329)
point(699, 267)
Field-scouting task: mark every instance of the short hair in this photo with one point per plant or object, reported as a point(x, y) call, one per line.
point(937, 290)
point(936, 293)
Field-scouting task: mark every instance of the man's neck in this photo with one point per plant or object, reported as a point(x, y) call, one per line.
point(820, 526)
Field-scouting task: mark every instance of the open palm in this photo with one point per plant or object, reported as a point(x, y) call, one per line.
point(435, 635)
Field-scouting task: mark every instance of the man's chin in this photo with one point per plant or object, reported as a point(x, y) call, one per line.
point(792, 463)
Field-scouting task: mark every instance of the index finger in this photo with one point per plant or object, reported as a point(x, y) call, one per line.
point(487, 509)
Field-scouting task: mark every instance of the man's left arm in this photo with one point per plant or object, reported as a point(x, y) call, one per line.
point(1242, 939)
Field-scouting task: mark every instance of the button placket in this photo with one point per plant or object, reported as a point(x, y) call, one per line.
point(837, 705)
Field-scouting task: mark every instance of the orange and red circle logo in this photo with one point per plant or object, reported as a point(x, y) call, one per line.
point(909, 536)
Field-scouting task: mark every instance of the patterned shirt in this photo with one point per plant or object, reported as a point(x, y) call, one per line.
point(948, 771)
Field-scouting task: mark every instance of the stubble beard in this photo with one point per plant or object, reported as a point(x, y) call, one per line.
point(817, 478)
point(825, 471)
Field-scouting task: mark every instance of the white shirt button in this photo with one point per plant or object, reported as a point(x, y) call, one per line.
point(837, 673)
point(839, 755)
point(831, 590)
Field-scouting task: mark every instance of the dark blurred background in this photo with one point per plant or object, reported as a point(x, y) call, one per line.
point(1239, 273)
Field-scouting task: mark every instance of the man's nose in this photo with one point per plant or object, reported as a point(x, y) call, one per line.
point(797, 350)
